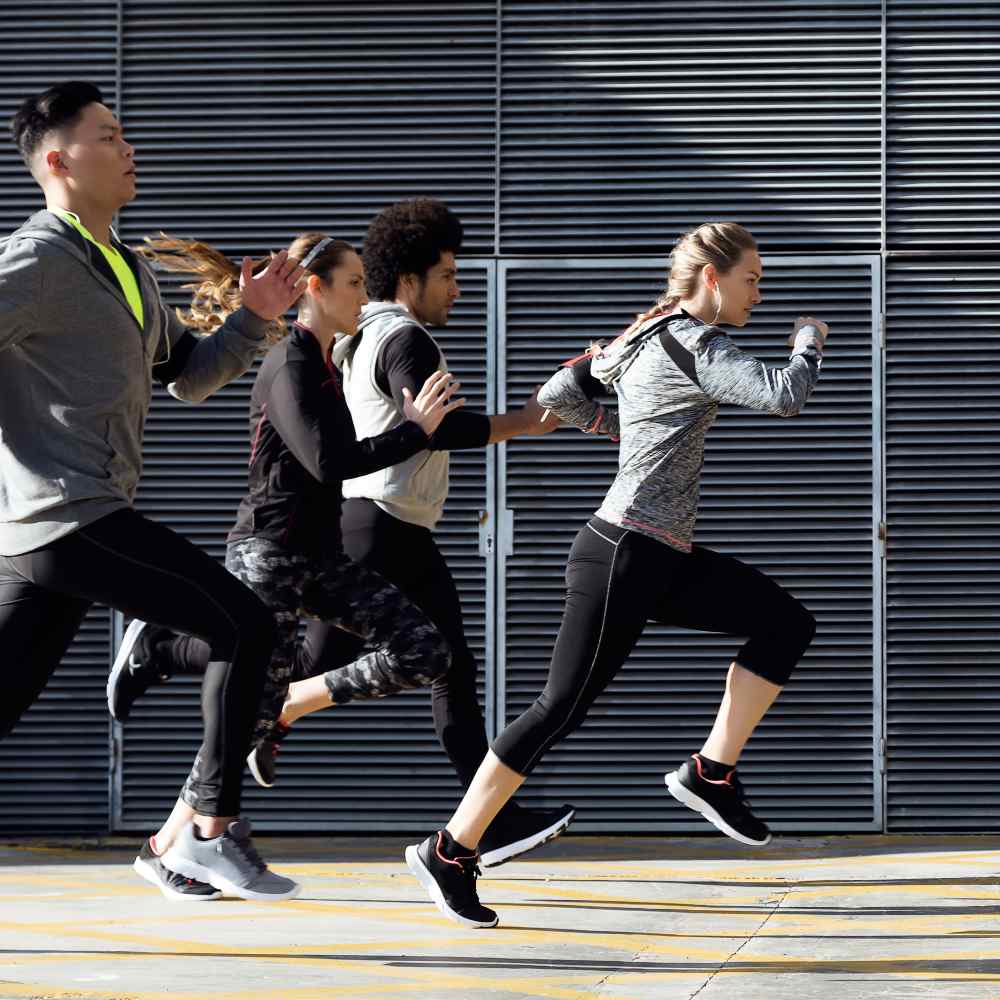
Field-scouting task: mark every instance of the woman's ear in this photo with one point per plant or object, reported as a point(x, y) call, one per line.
point(709, 276)
point(313, 285)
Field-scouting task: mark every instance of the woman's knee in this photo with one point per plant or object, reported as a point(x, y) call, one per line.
point(776, 650)
point(424, 652)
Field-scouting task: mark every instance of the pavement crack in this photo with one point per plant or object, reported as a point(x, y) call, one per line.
point(635, 958)
point(744, 943)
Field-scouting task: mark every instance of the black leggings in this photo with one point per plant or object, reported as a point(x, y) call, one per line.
point(616, 581)
point(147, 571)
point(406, 555)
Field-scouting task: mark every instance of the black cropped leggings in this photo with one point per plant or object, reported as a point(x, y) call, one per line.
point(616, 581)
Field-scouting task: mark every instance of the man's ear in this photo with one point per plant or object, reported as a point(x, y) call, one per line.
point(55, 163)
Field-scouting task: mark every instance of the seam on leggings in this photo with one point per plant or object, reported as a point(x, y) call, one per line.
point(593, 663)
point(605, 537)
point(165, 572)
point(232, 621)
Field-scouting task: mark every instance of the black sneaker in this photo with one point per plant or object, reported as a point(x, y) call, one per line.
point(135, 668)
point(176, 887)
point(451, 882)
point(517, 830)
point(262, 760)
point(723, 803)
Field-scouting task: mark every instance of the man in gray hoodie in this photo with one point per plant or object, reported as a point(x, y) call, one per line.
point(83, 332)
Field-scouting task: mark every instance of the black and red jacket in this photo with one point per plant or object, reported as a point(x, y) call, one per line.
point(303, 446)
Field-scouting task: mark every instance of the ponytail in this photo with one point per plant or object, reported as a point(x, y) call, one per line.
point(217, 295)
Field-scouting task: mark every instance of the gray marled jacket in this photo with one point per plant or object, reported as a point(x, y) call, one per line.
point(76, 371)
point(664, 413)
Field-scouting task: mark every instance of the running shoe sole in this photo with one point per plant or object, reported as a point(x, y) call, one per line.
point(191, 869)
point(145, 871)
point(257, 776)
point(121, 660)
point(501, 854)
point(699, 805)
point(426, 879)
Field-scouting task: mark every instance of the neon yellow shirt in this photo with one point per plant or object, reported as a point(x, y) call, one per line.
point(124, 274)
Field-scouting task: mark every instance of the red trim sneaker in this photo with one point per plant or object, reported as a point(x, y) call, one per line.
point(722, 802)
point(448, 872)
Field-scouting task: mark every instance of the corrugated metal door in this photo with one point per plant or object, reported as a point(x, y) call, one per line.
point(943, 515)
point(54, 766)
point(798, 499)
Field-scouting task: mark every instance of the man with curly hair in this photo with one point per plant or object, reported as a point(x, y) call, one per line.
point(411, 274)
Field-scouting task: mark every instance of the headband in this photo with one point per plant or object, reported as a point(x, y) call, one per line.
point(316, 251)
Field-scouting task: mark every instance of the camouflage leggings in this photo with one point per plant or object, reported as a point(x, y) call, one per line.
point(404, 649)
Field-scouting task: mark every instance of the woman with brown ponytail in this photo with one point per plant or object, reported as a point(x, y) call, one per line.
point(286, 544)
point(634, 561)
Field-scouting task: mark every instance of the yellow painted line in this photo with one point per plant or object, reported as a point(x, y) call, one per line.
point(529, 987)
point(505, 937)
point(103, 888)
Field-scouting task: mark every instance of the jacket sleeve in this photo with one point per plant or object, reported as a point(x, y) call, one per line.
point(20, 292)
point(571, 394)
point(193, 367)
point(318, 431)
point(728, 375)
point(408, 360)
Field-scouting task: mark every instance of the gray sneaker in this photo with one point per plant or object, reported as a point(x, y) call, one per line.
point(230, 863)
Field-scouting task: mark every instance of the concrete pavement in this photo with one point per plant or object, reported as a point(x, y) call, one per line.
point(626, 918)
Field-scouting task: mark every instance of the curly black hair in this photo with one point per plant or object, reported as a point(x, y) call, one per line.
point(407, 238)
point(54, 108)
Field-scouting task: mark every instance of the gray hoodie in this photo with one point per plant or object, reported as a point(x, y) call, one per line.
point(76, 373)
point(666, 404)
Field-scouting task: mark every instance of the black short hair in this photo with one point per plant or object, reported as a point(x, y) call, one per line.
point(55, 108)
point(407, 238)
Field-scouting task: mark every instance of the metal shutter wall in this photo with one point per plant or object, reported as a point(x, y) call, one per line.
point(943, 583)
point(256, 119)
point(624, 123)
point(368, 766)
point(943, 126)
point(54, 765)
point(43, 44)
point(793, 498)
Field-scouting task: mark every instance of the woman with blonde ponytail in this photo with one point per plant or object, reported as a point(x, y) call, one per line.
point(635, 561)
point(286, 545)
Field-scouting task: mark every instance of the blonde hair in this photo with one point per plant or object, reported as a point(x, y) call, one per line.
point(217, 293)
point(718, 243)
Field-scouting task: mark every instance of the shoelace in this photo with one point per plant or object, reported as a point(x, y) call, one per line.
point(249, 852)
point(470, 867)
point(740, 791)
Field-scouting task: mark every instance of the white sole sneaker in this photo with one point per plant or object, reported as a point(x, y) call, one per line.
point(144, 871)
point(501, 854)
point(699, 805)
point(122, 659)
point(192, 869)
point(426, 879)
